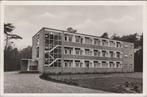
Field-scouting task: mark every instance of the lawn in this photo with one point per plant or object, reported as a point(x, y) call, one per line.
point(114, 82)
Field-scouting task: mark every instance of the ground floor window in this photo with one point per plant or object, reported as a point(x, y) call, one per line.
point(118, 64)
point(33, 67)
point(96, 64)
point(68, 63)
point(104, 64)
point(112, 64)
point(78, 63)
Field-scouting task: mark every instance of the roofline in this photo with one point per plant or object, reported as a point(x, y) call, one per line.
point(43, 28)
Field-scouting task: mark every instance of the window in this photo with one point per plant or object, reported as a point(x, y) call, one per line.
point(112, 54)
point(56, 64)
point(68, 50)
point(68, 37)
point(118, 44)
point(79, 39)
point(46, 55)
point(78, 51)
point(46, 61)
point(104, 43)
point(78, 63)
point(37, 36)
point(104, 64)
point(88, 52)
point(96, 53)
point(118, 64)
point(46, 35)
point(33, 67)
point(96, 41)
point(118, 55)
point(37, 52)
point(68, 63)
point(87, 64)
point(112, 43)
point(96, 64)
point(104, 53)
point(88, 40)
point(112, 64)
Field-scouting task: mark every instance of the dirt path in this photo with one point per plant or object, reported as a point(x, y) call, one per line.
point(15, 82)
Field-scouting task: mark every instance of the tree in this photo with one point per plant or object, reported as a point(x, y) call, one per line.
point(138, 60)
point(26, 52)
point(8, 28)
point(70, 29)
point(11, 55)
point(11, 59)
point(138, 43)
point(115, 37)
point(104, 35)
point(128, 38)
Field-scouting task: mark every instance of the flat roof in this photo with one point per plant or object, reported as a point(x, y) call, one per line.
point(79, 33)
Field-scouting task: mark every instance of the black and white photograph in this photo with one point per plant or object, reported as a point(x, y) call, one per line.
point(73, 47)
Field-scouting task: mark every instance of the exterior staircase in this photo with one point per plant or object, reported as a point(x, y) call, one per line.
point(54, 48)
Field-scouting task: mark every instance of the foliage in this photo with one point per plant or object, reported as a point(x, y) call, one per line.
point(26, 53)
point(133, 38)
point(71, 30)
point(11, 55)
point(8, 29)
point(138, 60)
point(104, 35)
point(11, 59)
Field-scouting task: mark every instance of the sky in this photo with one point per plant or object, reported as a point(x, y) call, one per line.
point(91, 19)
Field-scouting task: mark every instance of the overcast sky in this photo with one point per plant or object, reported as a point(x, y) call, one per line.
point(93, 20)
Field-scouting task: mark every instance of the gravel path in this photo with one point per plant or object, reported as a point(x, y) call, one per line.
point(15, 82)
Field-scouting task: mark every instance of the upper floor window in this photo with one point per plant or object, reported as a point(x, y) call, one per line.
point(112, 54)
point(68, 37)
point(88, 52)
point(78, 39)
point(96, 41)
point(104, 43)
point(118, 55)
point(46, 35)
point(46, 55)
point(68, 50)
point(112, 43)
point(96, 53)
point(37, 36)
point(104, 53)
point(78, 51)
point(88, 40)
point(37, 52)
point(118, 44)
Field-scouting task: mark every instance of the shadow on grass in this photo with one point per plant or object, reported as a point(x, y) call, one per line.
point(110, 84)
point(46, 77)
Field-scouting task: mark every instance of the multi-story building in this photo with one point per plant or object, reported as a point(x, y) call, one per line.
point(59, 51)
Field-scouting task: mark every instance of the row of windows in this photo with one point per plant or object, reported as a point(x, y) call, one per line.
point(89, 40)
point(92, 64)
point(92, 52)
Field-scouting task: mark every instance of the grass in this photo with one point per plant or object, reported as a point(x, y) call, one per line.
point(116, 83)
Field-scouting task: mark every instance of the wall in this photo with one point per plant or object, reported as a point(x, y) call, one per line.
point(80, 70)
point(128, 62)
